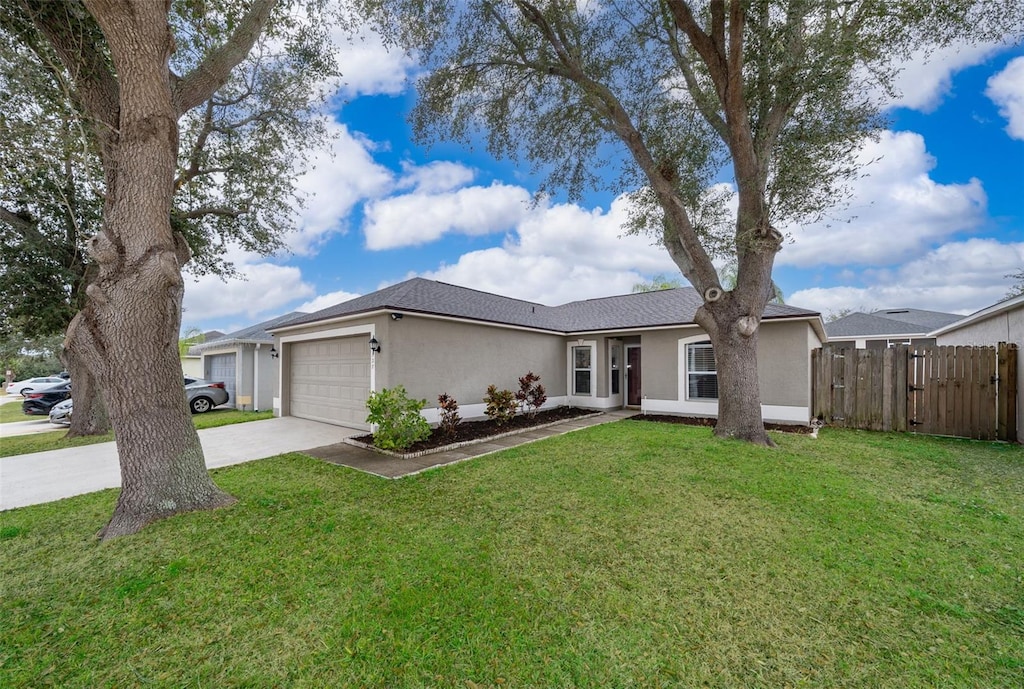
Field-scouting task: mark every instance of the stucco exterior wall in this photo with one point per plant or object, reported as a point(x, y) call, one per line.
point(784, 370)
point(431, 356)
point(1000, 327)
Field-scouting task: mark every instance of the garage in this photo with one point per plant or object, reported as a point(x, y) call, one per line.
point(330, 380)
point(221, 368)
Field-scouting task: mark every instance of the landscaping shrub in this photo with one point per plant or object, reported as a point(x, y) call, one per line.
point(501, 405)
point(450, 418)
point(531, 395)
point(398, 419)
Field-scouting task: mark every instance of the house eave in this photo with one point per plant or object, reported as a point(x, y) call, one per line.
point(987, 312)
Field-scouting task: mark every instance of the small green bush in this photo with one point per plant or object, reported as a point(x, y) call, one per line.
point(398, 419)
point(501, 405)
point(450, 418)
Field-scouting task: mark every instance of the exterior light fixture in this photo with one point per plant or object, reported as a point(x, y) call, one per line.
point(273, 352)
point(396, 316)
point(374, 345)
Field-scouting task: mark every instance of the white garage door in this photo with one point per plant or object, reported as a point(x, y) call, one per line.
point(330, 380)
point(221, 368)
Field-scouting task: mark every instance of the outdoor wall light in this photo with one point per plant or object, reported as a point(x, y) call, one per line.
point(396, 316)
point(273, 352)
point(374, 345)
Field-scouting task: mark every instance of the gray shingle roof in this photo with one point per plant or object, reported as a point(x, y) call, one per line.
point(646, 309)
point(889, 322)
point(250, 335)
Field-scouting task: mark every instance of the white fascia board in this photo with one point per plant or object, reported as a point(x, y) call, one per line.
point(363, 315)
point(988, 311)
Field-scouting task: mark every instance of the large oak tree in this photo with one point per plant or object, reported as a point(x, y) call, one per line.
point(119, 56)
point(781, 93)
point(239, 155)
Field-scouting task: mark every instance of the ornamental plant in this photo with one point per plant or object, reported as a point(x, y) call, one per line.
point(398, 419)
point(450, 418)
point(501, 405)
point(531, 395)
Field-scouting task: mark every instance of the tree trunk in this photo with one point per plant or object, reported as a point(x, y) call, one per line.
point(133, 314)
point(90, 413)
point(733, 334)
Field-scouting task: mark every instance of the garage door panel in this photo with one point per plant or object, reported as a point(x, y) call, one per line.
point(221, 368)
point(330, 380)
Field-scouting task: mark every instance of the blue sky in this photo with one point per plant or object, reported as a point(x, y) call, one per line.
point(936, 223)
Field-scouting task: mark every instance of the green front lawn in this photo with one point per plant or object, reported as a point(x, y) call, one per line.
point(41, 442)
point(11, 411)
point(630, 554)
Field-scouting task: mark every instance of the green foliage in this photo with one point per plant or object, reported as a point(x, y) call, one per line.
point(31, 357)
point(501, 404)
point(657, 283)
point(450, 418)
point(531, 395)
point(398, 419)
point(240, 153)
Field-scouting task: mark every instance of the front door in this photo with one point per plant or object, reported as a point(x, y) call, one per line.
point(633, 379)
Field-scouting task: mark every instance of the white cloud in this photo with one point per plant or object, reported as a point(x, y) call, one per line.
point(419, 218)
point(436, 177)
point(926, 79)
point(959, 277)
point(562, 253)
point(368, 67)
point(338, 180)
point(897, 211)
point(325, 300)
point(1006, 89)
point(262, 291)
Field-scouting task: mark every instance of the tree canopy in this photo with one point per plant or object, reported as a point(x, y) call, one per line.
point(240, 154)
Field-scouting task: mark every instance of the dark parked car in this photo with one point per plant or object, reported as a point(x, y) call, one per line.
point(39, 402)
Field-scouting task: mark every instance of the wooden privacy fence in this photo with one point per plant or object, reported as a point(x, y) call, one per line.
point(970, 392)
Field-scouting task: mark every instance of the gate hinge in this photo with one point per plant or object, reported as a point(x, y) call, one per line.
point(916, 388)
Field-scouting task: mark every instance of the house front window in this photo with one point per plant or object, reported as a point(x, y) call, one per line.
point(582, 365)
point(701, 373)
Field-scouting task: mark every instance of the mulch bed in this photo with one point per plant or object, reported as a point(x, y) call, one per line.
point(481, 430)
point(705, 421)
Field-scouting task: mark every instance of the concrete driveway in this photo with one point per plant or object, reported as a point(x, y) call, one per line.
point(46, 476)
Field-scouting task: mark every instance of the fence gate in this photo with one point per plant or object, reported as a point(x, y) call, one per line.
point(970, 392)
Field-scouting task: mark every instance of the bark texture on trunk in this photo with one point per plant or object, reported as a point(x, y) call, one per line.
point(89, 416)
point(129, 328)
point(733, 332)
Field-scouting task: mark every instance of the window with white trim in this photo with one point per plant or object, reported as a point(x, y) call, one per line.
point(582, 370)
point(701, 372)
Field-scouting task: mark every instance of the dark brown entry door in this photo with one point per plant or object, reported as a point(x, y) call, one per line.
point(633, 379)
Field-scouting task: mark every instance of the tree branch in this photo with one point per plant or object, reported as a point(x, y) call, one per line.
point(202, 82)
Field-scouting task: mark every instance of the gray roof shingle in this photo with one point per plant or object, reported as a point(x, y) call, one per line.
point(252, 334)
point(889, 322)
point(645, 309)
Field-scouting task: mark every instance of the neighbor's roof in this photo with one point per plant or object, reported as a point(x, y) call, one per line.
point(642, 310)
point(889, 322)
point(252, 335)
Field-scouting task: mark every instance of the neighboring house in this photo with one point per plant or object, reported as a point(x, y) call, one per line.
point(1001, 322)
point(639, 350)
point(245, 361)
point(887, 328)
point(192, 364)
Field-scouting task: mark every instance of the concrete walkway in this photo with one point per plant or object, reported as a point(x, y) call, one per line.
point(46, 476)
point(394, 467)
